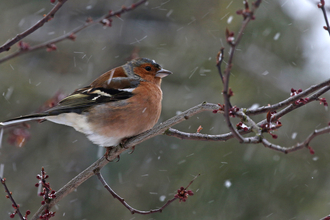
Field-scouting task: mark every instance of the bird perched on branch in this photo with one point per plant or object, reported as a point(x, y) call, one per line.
point(121, 103)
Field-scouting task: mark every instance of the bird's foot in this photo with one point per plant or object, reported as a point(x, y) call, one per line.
point(108, 153)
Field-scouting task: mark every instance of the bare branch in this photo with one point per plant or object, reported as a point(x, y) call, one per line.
point(71, 34)
point(200, 137)
point(321, 6)
point(15, 205)
point(122, 201)
point(288, 101)
point(292, 107)
point(220, 58)
point(161, 128)
point(197, 136)
point(248, 16)
point(298, 146)
point(39, 24)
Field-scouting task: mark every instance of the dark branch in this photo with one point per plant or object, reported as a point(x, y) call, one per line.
point(294, 106)
point(220, 58)
point(122, 201)
point(3, 181)
point(321, 5)
point(39, 24)
point(200, 137)
point(71, 35)
point(248, 16)
point(298, 146)
point(310, 90)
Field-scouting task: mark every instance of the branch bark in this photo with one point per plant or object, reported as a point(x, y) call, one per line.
point(6, 46)
point(71, 35)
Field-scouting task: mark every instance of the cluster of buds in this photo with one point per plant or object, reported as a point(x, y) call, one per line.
point(222, 107)
point(107, 22)
point(321, 4)
point(241, 126)
point(47, 215)
point(51, 47)
point(232, 111)
point(12, 215)
point(230, 37)
point(271, 125)
point(230, 93)
point(323, 101)
point(72, 36)
point(299, 101)
point(47, 193)
point(246, 12)
point(183, 194)
point(23, 46)
point(311, 150)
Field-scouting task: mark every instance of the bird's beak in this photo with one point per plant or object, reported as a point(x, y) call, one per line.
point(162, 73)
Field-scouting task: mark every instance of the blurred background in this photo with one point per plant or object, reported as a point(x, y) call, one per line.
point(285, 47)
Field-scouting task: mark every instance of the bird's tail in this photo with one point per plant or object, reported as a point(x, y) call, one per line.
point(32, 117)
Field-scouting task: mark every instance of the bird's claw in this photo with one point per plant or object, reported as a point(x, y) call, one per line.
point(133, 149)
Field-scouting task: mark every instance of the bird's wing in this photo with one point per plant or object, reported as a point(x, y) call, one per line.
point(112, 90)
point(119, 88)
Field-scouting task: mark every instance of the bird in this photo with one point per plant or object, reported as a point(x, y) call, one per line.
point(119, 104)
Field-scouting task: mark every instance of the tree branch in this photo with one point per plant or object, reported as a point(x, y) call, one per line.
point(248, 16)
point(71, 34)
point(298, 146)
point(292, 107)
point(122, 201)
point(321, 6)
point(14, 204)
point(288, 101)
point(39, 24)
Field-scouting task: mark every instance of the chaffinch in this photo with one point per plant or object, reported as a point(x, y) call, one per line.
point(121, 103)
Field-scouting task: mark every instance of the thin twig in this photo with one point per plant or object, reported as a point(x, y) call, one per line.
point(39, 24)
point(292, 107)
point(122, 201)
point(298, 146)
point(200, 137)
point(288, 101)
point(189, 184)
point(220, 58)
point(321, 5)
point(225, 93)
point(71, 34)
point(3, 181)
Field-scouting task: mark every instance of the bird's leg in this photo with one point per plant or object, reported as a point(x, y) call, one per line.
point(108, 153)
point(122, 145)
point(133, 149)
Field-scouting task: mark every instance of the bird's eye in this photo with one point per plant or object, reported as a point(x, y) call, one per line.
point(148, 68)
